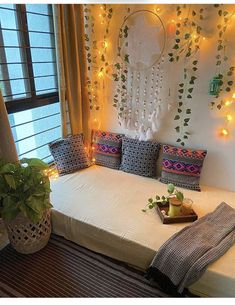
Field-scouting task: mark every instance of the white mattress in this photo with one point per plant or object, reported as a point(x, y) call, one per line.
point(100, 208)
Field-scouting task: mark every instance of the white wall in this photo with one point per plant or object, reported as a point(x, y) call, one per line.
point(219, 165)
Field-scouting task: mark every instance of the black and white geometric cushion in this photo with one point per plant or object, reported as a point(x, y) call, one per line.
point(139, 157)
point(69, 154)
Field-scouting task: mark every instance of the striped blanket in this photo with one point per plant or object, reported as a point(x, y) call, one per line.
point(184, 257)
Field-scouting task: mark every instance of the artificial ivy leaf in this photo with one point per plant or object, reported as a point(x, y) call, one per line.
point(230, 83)
point(179, 110)
point(188, 111)
point(181, 85)
point(186, 36)
point(177, 117)
point(170, 54)
point(180, 104)
point(181, 90)
point(182, 143)
point(185, 137)
point(176, 46)
point(171, 59)
point(177, 40)
point(195, 62)
point(228, 89)
point(194, 13)
point(189, 96)
point(126, 58)
point(194, 68)
point(190, 90)
point(177, 32)
point(178, 140)
point(150, 200)
point(177, 129)
point(186, 120)
point(118, 66)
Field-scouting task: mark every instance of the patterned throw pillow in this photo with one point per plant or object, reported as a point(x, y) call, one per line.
point(182, 166)
point(107, 148)
point(139, 157)
point(69, 154)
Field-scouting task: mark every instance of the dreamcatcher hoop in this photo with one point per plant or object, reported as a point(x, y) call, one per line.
point(164, 40)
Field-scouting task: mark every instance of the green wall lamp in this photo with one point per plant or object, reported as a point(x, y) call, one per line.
point(214, 85)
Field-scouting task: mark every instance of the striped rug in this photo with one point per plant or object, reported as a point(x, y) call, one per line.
point(65, 269)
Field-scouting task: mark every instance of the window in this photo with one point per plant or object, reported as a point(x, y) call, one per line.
point(28, 77)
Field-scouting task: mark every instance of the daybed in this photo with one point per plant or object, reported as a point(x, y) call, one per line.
point(100, 209)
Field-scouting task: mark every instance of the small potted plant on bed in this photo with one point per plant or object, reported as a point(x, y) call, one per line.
point(25, 203)
point(174, 198)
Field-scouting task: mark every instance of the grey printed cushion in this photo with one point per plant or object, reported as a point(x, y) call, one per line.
point(139, 157)
point(69, 154)
point(107, 148)
point(182, 166)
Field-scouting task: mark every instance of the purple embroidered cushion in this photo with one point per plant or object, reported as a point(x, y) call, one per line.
point(182, 166)
point(107, 148)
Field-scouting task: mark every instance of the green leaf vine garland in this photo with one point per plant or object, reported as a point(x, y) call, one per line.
point(224, 72)
point(186, 46)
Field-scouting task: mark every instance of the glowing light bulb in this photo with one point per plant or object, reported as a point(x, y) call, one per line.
point(233, 95)
point(100, 15)
point(104, 44)
point(180, 18)
point(194, 36)
point(204, 38)
point(173, 20)
point(229, 117)
point(100, 74)
point(158, 9)
point(228, 103)
point(93, 148)
point(93, 159)
point(224, 132)
point(101, 7)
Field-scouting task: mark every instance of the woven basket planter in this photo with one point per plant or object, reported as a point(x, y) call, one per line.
point(27, 237)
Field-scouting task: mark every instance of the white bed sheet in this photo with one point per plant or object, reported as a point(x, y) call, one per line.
point(100, 208)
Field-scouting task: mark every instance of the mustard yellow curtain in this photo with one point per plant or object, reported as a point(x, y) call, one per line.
point(71, 65)
point(7, 145)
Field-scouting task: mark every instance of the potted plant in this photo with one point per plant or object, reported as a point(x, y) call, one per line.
point(174, 198)
point(25, 203)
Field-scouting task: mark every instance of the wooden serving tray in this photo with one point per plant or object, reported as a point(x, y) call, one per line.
point(176, 219)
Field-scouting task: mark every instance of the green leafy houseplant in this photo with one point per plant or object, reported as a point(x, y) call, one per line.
point(172, 193)
point(24, 188)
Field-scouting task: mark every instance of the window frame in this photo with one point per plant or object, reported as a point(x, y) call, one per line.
point(34, 101)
